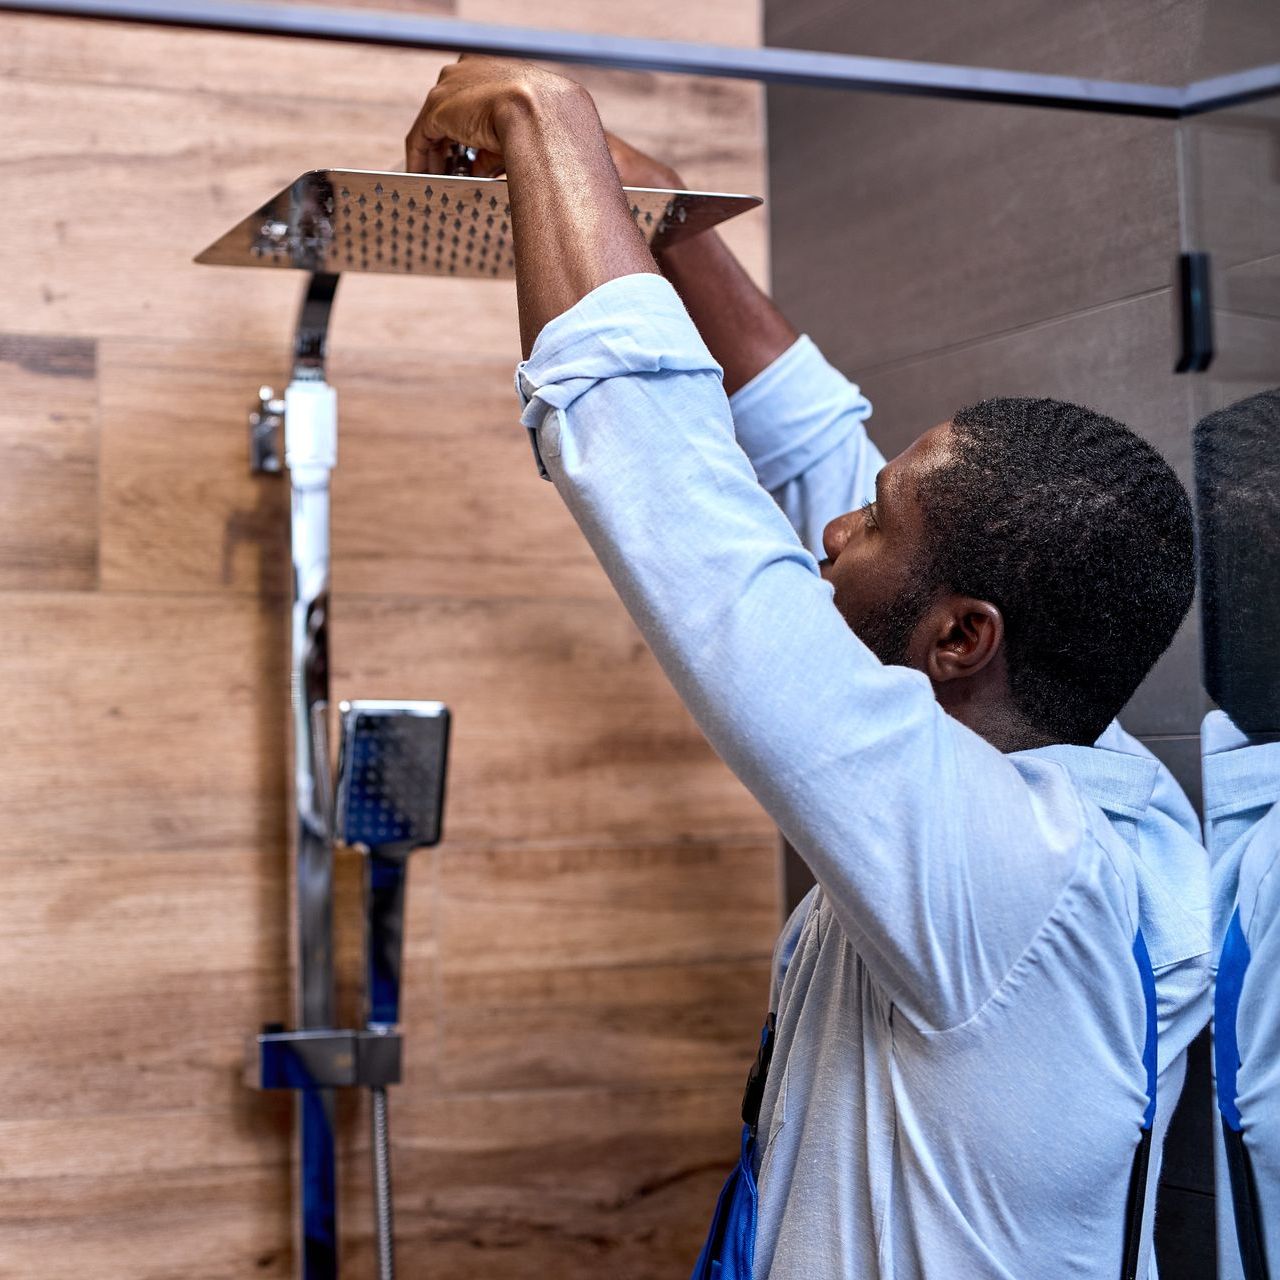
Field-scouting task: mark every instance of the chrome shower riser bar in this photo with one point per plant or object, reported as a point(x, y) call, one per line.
point(769, 66)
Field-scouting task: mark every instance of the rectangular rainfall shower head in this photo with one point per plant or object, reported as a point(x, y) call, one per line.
point(338, 220)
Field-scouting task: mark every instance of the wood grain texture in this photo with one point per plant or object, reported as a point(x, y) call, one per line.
point(568, 1182)
point(587, 952)
point(170, 170)
point(49, 480)
point(603, 965)
point(141, 723)
point(564, 728)
point(713, 21)
point(133, 979)
point(436, 492)
point(611, 1026)
point(72, 51)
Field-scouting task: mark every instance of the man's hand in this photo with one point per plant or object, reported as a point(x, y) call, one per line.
point(468, 106)
point(571, 227)
point(472, 102)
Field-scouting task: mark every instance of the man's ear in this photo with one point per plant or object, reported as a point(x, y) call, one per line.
point(963, 634)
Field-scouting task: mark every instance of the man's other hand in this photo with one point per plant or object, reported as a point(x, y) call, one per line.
point(636, 169)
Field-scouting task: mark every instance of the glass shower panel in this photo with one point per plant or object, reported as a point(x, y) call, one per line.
point(1230, 209)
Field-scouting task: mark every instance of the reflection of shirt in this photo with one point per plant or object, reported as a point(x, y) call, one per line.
point(1242, 829)
point(957, 1084)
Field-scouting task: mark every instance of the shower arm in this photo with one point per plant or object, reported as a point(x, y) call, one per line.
point(310, 437)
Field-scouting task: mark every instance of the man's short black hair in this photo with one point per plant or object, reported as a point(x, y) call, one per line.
point(1080, 533)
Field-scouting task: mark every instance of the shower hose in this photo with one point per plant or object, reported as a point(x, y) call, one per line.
point(382, 1185)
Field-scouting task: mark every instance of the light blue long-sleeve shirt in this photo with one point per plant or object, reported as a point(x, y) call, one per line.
point(1242, 829)
point(957, 1083)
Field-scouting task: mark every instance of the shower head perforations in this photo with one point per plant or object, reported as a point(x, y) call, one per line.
point(344, 220)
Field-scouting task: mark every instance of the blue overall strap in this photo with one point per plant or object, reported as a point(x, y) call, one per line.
point(729, 1250)
point(1137, 1199)
point(1232, 964)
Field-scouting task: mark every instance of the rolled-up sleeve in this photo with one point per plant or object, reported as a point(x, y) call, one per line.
point(802, 424)
point(917, 829)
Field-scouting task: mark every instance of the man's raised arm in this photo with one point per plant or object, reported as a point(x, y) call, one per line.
point(923, 835)
point(799, 421)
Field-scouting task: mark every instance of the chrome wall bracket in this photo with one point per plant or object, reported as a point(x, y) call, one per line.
point(266, 433)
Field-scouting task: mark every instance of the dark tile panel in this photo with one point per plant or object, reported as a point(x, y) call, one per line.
point(901, 226)
point(797, 879)
point(1231, 182)
point(1171, 700)
point(1144, 40)
point(1181, 756)
point(1236, 34)
point(1117, 359)
point(1246, 360)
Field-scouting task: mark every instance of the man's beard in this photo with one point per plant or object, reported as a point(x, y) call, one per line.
point(886, 629)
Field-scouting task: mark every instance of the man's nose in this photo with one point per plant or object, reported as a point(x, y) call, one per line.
point(836, 535)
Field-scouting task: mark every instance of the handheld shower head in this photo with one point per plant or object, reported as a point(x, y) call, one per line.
point(391, 771)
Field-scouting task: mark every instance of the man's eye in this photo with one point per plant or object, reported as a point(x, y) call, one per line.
point(869, 516)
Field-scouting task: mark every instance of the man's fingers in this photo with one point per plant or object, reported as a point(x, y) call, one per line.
point(417, 140)
point(422, 145)
point(417, 154)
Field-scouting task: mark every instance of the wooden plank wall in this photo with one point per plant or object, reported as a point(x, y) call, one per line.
point(587, 955)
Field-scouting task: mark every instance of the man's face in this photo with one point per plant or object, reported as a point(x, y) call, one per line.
point(874, 555)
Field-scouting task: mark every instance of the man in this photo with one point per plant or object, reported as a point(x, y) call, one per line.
point(964, 1050)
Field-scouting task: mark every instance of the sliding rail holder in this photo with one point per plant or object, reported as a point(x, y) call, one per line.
point(352, 1059)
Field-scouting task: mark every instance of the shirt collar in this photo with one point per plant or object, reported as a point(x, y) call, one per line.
point(1239, 774)
point(1115, 781)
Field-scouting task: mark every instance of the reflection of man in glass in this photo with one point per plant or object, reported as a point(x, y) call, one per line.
point(964, 1048)
point(1238, 491)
